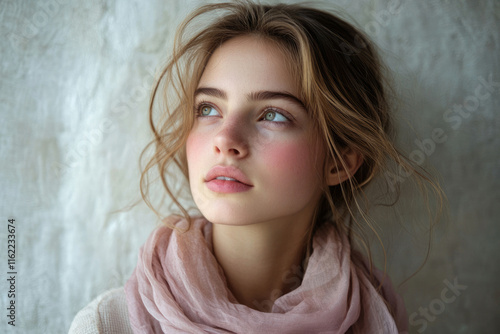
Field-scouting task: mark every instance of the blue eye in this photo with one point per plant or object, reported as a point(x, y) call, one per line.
point(207, 110)
point(274, 116)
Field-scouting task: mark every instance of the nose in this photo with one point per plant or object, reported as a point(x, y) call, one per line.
point(231, 139)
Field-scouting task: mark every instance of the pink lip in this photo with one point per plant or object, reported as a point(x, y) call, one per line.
point(224, 186)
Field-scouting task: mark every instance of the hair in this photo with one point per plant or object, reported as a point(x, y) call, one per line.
point(341, 83)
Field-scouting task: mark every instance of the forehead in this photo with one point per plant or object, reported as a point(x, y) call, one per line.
point(249, 63)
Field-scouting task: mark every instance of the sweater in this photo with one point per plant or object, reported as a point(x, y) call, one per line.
point(107, 313)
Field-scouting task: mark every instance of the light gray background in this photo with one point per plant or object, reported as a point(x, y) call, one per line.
point(74, 87)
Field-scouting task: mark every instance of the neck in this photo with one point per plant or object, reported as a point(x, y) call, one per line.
point(261, 261)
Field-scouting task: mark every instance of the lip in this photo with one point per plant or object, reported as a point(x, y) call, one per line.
point(228, 171)
point(225, 186)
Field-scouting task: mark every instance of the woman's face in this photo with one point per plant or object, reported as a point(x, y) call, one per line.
point(251, 122)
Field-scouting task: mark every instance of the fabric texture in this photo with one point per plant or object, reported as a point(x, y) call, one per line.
point(179, 287)
point(106, 314)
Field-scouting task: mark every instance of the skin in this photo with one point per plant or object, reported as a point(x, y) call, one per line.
point(258, 235)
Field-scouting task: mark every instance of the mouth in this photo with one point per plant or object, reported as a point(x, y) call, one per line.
point(229, 174)
point(227, 179)
point(227, 185)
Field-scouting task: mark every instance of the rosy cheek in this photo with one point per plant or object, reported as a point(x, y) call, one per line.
point(290, 161)
point(194, 149)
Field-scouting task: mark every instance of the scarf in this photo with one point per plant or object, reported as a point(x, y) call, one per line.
point(179, 287)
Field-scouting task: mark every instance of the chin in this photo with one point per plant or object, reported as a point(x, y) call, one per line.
point(220, 211)
point(226, 219)
point(226, 216)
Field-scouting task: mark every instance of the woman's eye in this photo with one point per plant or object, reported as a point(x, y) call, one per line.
point(207, 110)
point(274, 116)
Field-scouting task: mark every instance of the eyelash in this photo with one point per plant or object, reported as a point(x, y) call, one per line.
point(197, 107)
point(266, 109)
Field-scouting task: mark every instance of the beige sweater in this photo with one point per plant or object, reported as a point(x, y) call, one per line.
point(107, 313)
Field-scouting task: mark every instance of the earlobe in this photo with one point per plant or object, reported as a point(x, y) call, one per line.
point(340, 171)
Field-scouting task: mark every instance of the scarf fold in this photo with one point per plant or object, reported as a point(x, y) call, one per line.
point(179, 287)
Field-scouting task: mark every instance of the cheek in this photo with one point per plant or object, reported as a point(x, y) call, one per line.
point(194, 150)
point(292, 165)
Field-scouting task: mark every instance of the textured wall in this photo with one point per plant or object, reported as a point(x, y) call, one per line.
point(74, 85)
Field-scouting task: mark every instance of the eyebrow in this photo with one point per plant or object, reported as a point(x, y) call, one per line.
point(254, 96)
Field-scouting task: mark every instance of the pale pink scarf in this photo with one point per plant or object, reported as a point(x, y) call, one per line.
point(178, 287)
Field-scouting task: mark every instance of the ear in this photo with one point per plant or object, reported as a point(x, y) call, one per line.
point(338, 173)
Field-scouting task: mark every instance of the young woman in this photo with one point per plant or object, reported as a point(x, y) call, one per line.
point(277, 117)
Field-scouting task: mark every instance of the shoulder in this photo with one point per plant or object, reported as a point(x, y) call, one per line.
point(107, 313)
